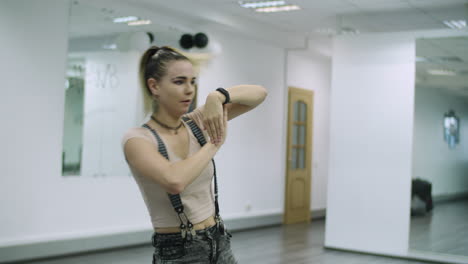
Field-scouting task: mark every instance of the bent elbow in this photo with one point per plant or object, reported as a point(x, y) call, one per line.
point(175, 187)
point(170, 182)
point(263, 92)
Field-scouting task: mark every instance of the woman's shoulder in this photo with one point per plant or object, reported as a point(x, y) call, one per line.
point(133, 132)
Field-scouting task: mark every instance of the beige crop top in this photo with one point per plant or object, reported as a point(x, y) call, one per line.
point(197, 197)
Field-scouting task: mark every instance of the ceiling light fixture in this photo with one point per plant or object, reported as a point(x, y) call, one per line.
point(261, 4)
point(139, 23)
point(421, 59)
point(110, 46)
point(455, 24)
point(125, 19)
point(277, 9)
point(442, 72)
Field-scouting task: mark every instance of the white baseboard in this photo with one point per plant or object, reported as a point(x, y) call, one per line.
point(40, 250)
point(441, 198)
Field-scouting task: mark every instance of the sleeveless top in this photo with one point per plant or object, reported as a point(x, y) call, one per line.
point(197, 197)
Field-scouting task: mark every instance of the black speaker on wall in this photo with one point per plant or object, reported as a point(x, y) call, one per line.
point(187, 41)
point(201, 40)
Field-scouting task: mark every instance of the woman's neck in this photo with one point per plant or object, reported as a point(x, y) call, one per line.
point(167, 119)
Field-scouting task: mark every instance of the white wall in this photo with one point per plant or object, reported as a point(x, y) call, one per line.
point(446, 169)
point(251, 163)
point(312, 71)
point(371, 129)
point(38, 204)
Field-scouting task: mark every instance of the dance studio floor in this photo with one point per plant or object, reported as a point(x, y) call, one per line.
point(273, 245)
point(445, 230)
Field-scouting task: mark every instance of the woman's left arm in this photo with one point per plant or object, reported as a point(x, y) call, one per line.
point(243, 99)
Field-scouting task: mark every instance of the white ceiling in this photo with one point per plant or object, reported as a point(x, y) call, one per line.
point(290, 29)
point(363, 15)
point(444, 54)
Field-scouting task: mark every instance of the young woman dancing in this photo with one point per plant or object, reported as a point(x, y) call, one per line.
point(171, 157)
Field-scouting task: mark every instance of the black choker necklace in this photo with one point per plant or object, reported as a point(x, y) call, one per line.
point(166, 126)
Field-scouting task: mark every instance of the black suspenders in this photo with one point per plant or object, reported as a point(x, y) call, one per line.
point(175, 198)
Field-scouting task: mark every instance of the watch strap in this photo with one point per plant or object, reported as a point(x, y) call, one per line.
point(225, 93)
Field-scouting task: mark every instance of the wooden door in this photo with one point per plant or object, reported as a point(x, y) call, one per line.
point(299, 156)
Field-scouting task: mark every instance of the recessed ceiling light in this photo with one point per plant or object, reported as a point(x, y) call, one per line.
point(139, 23)
point(125, 19)
point(421, 59)
point(455, 24)
point(261, 4)
point(440, 59)
point(278, 9)
point(442, 72)
point(110, 46)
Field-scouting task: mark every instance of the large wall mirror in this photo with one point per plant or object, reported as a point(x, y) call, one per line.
point(439, 221)
point(102, 94)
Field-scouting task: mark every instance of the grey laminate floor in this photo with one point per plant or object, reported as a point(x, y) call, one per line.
point(445, 230)
point(280, 244)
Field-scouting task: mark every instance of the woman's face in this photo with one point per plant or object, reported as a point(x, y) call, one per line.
point(176, 89)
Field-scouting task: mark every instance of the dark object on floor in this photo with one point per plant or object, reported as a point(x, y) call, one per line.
point(421, 197)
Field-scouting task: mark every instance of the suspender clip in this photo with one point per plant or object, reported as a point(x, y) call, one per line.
point(183, 230)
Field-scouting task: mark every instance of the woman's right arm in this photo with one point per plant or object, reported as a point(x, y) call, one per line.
point(172, 176)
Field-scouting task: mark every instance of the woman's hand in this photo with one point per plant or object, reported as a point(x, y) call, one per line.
point(214, 116)
point(225, 123)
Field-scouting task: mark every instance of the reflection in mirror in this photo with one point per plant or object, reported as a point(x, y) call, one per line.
point(103, 97)
point(439, 208)
point(451, 129)
point(73, 119)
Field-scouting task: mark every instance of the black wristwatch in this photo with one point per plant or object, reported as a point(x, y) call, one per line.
point(226, 94)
